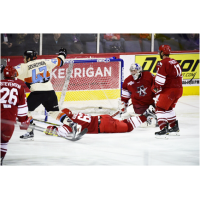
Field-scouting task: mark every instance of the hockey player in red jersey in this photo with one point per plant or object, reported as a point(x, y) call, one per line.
point(168, 89)
point(13, 104)
point(137, 87)
point(100, 123)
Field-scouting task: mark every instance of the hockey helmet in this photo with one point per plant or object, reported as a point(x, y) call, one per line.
point(30, 54)
point(138, 70)
point(67, 112)
point(166, 49)
point(9, 72)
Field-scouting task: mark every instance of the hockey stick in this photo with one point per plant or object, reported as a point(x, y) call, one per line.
point(118, 112)
point(38, 128)
point(66, 83)
point(190, 81)
point(42, 129)
point(83, 132)
point(46, 122)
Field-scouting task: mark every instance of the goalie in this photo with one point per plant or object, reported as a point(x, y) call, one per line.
point(36, 74)
point(137, 87)
point(100, 123)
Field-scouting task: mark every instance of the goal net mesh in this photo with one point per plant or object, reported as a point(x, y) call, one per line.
point(92, 86)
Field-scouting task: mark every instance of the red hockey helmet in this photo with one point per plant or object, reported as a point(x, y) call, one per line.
point(67, 112)
point(9, 72)
point(166, 49)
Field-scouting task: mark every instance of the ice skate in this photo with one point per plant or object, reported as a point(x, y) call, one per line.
point(163, 134)
point(27, 136)
point(174, 131)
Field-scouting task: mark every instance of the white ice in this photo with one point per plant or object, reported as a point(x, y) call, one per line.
point(137, 148)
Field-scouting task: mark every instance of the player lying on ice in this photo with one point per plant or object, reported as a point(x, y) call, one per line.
point(100, 123)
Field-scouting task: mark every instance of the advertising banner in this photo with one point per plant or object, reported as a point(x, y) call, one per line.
point(188, 62)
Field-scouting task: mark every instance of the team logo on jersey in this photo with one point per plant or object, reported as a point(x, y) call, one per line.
point(141, 90)
point(159, 63)
point(172, 62)
point(54, 61)
point(130, 83)
point(17, 67)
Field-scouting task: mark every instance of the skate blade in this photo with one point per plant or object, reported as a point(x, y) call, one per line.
point(27, 139)
point(165, 137)
point(174, 134)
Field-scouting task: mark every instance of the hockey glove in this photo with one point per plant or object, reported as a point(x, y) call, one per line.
point(157, 89)
point(24, 125)
point(123, 107)
point(63, 52)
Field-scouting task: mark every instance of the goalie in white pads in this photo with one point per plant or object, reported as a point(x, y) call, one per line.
point(99, 124)
point(36, 74)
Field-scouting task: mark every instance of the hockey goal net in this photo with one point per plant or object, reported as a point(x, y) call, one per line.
point(89, 85)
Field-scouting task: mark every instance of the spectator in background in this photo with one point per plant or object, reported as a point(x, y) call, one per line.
point(145, 36)
point(115, 48)
point(194, 41)
point(74, 43)
point(53, 42)
point(84, 38)
point(130, 36)
point(88, 38)
point(6, 44)
point(19, 44)
point(33, 42)
point(111, 36)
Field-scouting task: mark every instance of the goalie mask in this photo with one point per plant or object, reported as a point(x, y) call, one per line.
point(135, 70)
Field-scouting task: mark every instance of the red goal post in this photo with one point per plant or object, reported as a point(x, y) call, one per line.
point(90, 85)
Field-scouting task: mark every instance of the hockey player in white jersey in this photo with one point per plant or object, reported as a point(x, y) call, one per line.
point(36, 74)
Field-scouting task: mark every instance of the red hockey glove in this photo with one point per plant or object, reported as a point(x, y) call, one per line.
point(24, 125)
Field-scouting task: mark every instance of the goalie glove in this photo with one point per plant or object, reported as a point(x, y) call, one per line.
point(122, 107)
point(63, 52)
point(24, 125)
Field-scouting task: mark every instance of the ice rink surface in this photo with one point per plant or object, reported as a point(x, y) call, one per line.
point(137, 148)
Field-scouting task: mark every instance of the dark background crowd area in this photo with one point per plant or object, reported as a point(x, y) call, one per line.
point(16, 44)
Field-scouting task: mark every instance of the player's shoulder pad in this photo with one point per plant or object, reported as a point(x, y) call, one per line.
point(54, 61)
point(18, 66)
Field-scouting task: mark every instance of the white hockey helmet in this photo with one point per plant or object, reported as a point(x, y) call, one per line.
point(135, 70)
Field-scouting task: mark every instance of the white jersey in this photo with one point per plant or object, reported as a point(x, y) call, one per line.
point(37, 72)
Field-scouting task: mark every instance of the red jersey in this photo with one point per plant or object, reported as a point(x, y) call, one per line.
point(13, 101)
point(169, 74)
point(138, 90)
point(107, 125)
point(86, 121)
